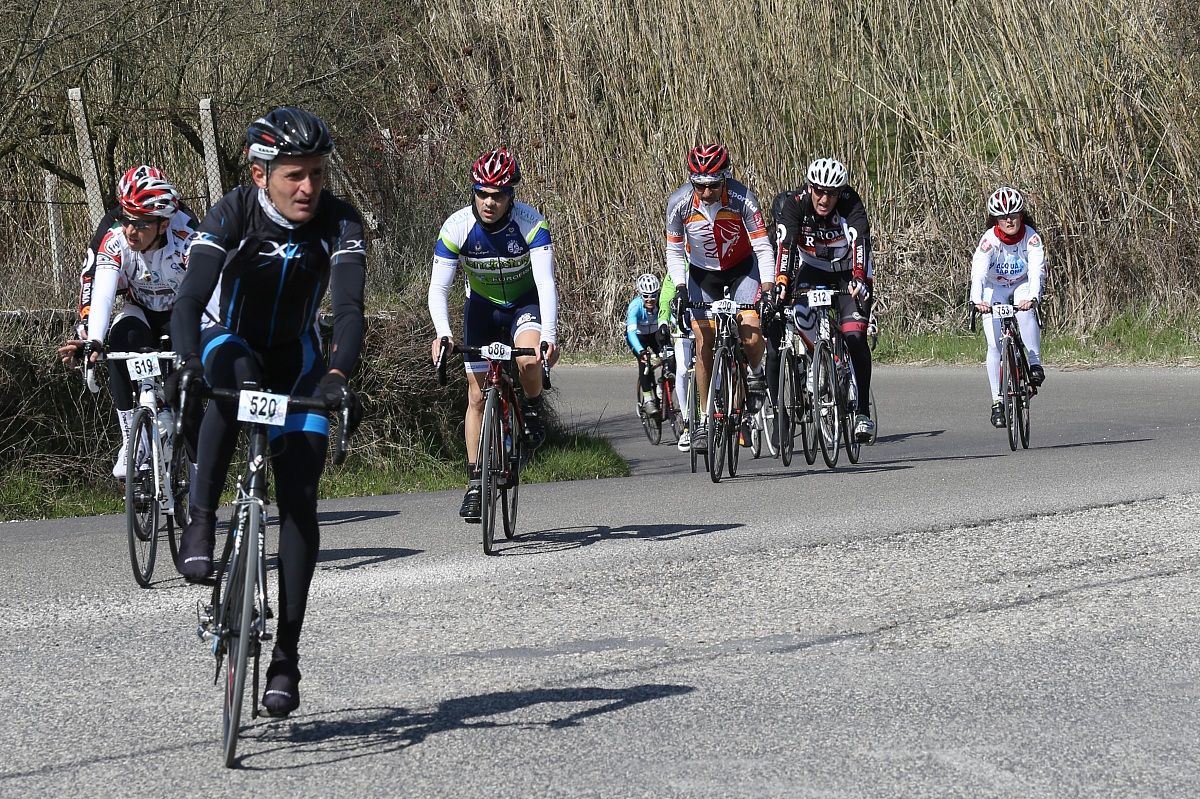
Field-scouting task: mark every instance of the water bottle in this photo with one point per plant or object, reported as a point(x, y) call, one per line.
point(166, 432)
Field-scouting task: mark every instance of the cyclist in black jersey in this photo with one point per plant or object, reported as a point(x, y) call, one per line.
point(823, 236)
point(270, 251)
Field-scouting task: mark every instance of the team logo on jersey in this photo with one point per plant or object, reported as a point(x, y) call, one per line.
point(1035, 241)
point(757, 219)
point(1010, 267)
point(281, 249)
point(354, 245)
point(514, 247)
point(985, 246)
point(526, 318)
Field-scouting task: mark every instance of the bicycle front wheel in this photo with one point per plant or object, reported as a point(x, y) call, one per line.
point(827, 409)
point(735, 401)
point(491, 467)
point(1009, 386)
point(848, 394)
point(1026, 396)
point(785, 411)
point(141, 500)
point(510, 495)
point(237, 622)
point(718, 437)
point(181, 483)
point(806, 403)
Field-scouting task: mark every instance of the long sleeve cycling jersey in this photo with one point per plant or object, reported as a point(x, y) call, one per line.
point(501, 266)
point(1000, 261)
point(111, 267)
point(718, 236)
point(638, 321)
point(263, 277)
point(822, 242)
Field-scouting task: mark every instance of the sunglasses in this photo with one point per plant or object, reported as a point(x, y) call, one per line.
point(1009, 217)
point(720, 184)
point(820, 191)
point(137, 224)
point(484, 194)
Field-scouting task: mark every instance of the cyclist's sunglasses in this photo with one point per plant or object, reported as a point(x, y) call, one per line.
point(497, 195)
point(1009, 217)
point(136, 224)
point(702, 186)
point(821, 191)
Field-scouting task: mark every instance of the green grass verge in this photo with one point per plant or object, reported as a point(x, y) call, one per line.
point(564, 456)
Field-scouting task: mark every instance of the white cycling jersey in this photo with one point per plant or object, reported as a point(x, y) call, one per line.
point(998, 264)
point(151, 279)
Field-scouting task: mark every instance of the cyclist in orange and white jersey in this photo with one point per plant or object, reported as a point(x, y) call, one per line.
point(716, 239)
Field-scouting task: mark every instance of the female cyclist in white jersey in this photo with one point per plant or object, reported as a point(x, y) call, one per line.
point(1009, 267)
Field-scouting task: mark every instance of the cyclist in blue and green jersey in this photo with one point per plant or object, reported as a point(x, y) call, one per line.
point(505, 250)
point(641, 334)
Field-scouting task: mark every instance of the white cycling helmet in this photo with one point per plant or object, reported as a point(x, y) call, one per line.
point(648, 285)
point(827, 173)
point(1005, 200)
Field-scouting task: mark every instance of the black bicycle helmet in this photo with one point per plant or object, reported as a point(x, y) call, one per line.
point(287, 130)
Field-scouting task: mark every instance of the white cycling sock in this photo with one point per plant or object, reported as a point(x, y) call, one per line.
point(125, 420)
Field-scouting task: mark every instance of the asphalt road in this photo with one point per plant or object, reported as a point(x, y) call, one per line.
point(947, 618)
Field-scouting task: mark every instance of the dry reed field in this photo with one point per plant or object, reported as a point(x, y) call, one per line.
point(1088, 106)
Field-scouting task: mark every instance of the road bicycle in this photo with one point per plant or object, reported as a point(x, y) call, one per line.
point(233, 623)
point(501, 453)
point(794, 415)
point(835, 387)
point(663, 381)
point(763, 430)
point(695, 454)
point(158, 470)
point(1016, 389)
point(727, 386)
point(158, 473)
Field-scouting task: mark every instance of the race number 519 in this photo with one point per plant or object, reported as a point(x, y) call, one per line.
point(262, 408)
point(143, 366)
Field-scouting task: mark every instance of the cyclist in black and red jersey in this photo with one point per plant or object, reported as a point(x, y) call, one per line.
point(270, 251)
point(823, 236)
point(140, 251)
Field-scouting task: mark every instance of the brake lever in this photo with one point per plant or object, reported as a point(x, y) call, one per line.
point(440, 367)
point(545, 368)
point(343, 447)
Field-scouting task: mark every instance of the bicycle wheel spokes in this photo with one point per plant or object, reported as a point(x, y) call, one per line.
point(826, 407)
point(237, 624)
point(1008, 391)
point(509, 496)
point(806, 409)
point(491, 466)
point(849, 396)
point(718, 437)
point(180, 477)
point(785, 413)
point(141, 502)
point(737, 415)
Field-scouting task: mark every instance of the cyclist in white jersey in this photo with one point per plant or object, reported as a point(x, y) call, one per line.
point(1009, 266)
point(505, 249)
point(143, 255)
point(716, 239)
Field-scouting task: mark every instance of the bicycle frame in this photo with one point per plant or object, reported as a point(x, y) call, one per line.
point(149, 394)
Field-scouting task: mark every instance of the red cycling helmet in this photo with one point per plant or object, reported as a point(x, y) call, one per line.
point(708, 163)
point(496, 168)
point(143, 191)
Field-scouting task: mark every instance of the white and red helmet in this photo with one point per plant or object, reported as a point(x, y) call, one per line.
point(143, 191)
point(497, 169)
point(1004, 201)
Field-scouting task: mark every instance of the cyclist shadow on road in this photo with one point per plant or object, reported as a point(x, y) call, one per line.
point(333, 517)
point(351, 733)
point(543, 541)
point(348, 558)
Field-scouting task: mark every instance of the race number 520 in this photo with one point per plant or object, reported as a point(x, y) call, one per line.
point(262, 408)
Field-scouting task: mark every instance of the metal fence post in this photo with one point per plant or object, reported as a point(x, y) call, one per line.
point(54, 223)
point(212, 163)
point(87, 156)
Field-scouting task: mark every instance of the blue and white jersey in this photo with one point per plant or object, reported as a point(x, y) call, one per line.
point(998, 264)
point(639, 321)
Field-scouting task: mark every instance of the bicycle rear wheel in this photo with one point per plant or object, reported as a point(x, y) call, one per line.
point(491, 467)
point(651, 426)
point(237, 620)
point(718, 437)
point(510, 495)
point(848, 393)
point(1008, 391)
point(827, 409)
point(141, 501)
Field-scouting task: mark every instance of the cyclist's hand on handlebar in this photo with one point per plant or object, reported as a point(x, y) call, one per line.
point(983, 307)
point(859, 289)
point(337, 394)
point(435, 349)
point(192, 368)
point(679, 304)
point(550, 354)
point(1025, 305)
point(70, 352)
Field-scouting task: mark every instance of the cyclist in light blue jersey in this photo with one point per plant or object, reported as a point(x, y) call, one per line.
point(641, 334)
